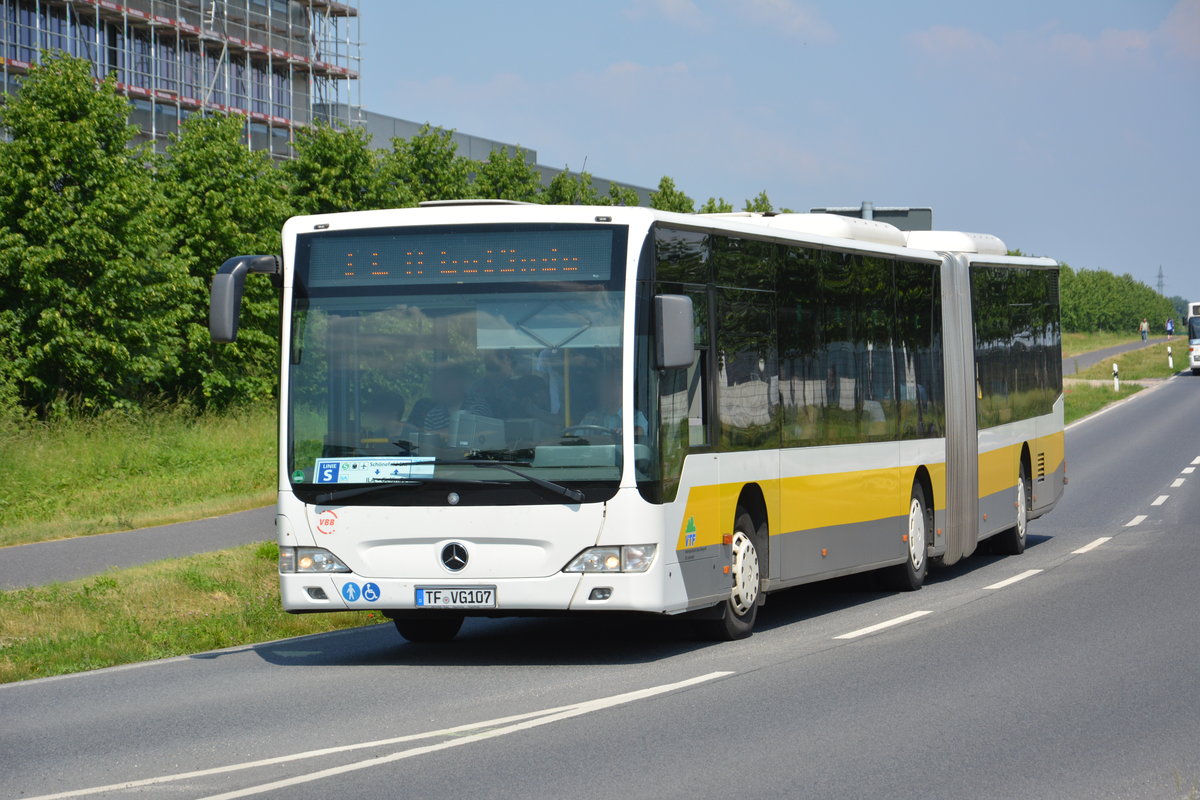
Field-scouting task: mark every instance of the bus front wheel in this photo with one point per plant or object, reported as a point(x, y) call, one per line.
point(741, 609)
point(429, 629)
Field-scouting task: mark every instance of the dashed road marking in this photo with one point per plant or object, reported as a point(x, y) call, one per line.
point(1138, 520)
point(1177, 483)
point(1029, 573)
point(1092, 545)
point(1162, 498)
point(882, 625)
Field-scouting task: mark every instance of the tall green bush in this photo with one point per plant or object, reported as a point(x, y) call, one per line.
point(507, 176)
point(427, 167)
point(224, 200)
point(89, 293)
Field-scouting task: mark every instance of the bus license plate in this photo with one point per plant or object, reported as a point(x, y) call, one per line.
point(456, 597)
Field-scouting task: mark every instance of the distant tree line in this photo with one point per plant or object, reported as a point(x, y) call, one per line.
point(107, 249)
point(1097, 300)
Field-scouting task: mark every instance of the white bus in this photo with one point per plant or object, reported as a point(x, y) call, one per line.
point(498, 409)
point(1193, 333)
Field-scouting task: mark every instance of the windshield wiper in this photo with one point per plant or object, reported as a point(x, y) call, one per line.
point(390, 483)
point(483, 460)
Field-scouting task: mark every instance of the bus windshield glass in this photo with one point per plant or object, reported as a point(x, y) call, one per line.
point(460, 365)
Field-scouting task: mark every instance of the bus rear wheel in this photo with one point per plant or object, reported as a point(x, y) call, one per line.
point(441, 628)
point(910, 575)
point(740, 611)
point(1012, 541)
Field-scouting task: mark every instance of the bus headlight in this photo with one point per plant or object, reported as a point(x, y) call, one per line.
point(309, 559)
point(626, 558)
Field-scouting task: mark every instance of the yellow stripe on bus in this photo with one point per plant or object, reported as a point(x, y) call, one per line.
point(846, 498)
point(801, 503)
point(998, 468)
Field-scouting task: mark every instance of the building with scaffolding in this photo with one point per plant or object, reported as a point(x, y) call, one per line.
point(281, 63)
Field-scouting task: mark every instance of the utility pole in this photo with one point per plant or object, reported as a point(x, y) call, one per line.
point(1161, 290)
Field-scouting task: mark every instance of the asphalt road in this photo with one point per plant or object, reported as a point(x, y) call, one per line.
point(67, 559)
point(1066, 672)
point(1073, 364)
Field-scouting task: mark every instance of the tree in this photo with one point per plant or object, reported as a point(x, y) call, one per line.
point(760, 203)
point(1180, 305)
point(428, 166)
point(716, 206)
point(90, 298)
point(567, 189)
point(619, 195)
point(508, 176)
point(1098, 300)
point(224, 200)
point(336, 170)
point(668, 198)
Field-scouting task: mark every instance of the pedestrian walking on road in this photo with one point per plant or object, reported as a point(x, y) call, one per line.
point(1170, 327)
point(1144, 328)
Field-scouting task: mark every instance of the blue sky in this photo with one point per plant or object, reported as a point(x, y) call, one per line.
point(1068, 128)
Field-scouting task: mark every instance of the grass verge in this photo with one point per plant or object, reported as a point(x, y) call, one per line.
point(84, 476)
point(1076, 344)
point(1145, 363)
point(1081, 398)
point(168, 608)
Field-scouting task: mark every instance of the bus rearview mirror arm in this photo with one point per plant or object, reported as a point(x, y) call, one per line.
point(225, 298)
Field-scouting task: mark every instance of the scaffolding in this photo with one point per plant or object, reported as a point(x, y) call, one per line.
point(283, 64)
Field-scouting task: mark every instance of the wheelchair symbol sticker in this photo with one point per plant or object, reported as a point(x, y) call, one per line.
point(370, 592)
point(350, 591)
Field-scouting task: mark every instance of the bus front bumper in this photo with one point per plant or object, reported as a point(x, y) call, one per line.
point(609, 591)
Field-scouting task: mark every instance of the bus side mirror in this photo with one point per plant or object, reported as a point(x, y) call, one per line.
point(225, 298)
point(675, 331)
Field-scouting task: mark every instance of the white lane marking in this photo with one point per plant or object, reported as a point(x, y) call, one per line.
point(1092, 546)
point(1175, 484)
point(880, 626)
point(491, 728)
point(1162, 498)
point(1138, 520)
point(1029, 573)
point(1196, 460)
point(1188, 470)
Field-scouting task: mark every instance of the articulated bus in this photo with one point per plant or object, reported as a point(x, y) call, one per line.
point(495, 409)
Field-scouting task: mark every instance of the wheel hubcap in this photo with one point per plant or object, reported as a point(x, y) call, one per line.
point(1022, 508)
point(916, 534)
point(745, 574)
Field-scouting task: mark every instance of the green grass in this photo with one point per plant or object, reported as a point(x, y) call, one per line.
point(84, 476)
point(169, 608)
point(1141, 364)
point(1081, 399)
point(1074, 344)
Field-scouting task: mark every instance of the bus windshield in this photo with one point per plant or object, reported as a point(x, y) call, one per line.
point(473, 366)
